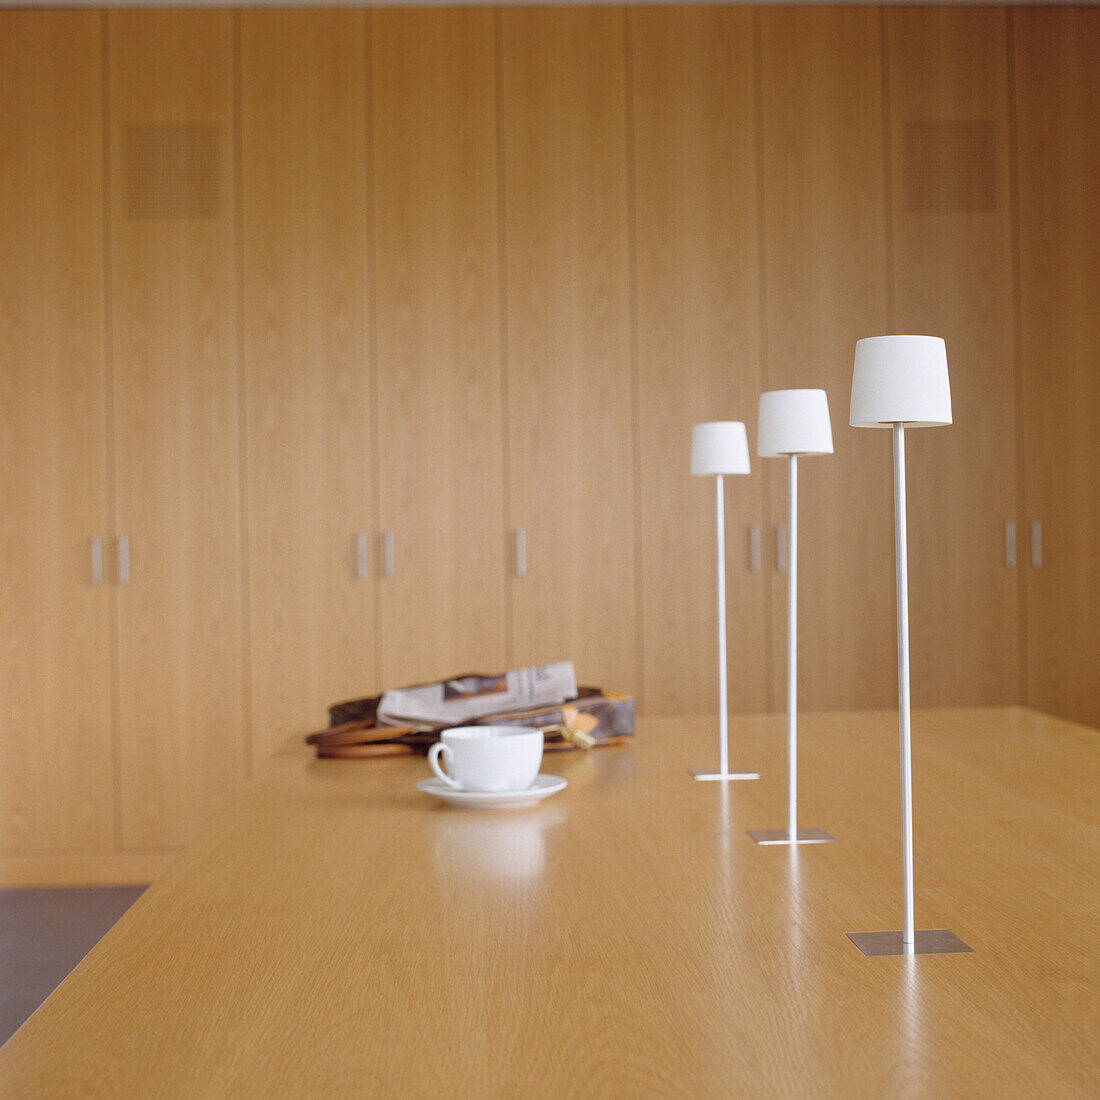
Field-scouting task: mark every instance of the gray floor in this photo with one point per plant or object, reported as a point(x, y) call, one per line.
point(43, 935)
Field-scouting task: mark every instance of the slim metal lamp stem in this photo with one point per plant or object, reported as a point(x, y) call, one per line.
point(908, 936)
point(792, 648)
point(720, 524)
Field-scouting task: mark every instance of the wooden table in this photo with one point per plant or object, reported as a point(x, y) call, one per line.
point(338, 933)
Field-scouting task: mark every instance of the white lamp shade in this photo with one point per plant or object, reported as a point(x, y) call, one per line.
point(720, 447)
point(794, 422)
point(900, 380)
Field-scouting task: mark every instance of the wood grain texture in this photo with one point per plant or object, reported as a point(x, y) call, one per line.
point(564, 218)
point(825, 287)
point(438, 348)
point(698, 330)
point(307, 392)
point(174, 340)
point(1059, 163)
point(953, 277)
point(570, 370)
point(56, 734)
point(338, 932)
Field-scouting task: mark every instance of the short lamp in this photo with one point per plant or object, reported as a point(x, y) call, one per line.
point(793, 423)
point(901, 382)
point(719, 448)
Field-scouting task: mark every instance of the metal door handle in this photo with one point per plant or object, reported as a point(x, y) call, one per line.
point(361, 555)
point(521, 552)
point(781, 547)
point(388, 566)
point(754, 548)
point(123, 559)
point(97, 560)
point(1036, 543)
point(1010, 544)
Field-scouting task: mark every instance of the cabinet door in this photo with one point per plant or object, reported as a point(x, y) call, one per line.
point(174, 341)
point(698, 326)
point(56, 749)
point(825, 286)
point(439, 428)
point(570, 373)
point(953, 277)
point(1058, 144)
point(308, 411)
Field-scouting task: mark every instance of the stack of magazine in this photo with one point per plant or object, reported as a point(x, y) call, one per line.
point(410, 719)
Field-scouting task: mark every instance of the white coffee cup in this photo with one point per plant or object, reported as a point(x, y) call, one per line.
point(488, 758)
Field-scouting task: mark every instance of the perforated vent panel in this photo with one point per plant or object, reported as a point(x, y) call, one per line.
point(172, 172)
point(949, 167)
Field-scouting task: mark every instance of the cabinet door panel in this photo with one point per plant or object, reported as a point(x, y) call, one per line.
point(952, 264)
point(56, 750)
point(438, 346)
point(698, 325)
point(825, 262)
point(1058, 144)
point(570, 375)
point(306, 353)
point(176, 418)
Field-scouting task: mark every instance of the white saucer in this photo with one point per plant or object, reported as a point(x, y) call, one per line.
point(542, 786)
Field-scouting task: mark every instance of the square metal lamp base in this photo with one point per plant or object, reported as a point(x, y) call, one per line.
point(783, 836)
point(938, 941)
point(726, 775)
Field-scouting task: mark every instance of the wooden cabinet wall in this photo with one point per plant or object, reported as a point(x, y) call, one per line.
point(173, 332)
point(567, 269)
point(308, 395)
point(438, 362)
point(697, 295)
point(1058, 164)
point(57, 778)
point(952, 274)
point(276, 282)
point(825, 263)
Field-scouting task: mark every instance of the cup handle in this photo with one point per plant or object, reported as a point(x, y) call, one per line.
point(433, 762)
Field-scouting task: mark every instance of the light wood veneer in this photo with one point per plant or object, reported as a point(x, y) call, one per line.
point(952, 265)
point(697, 317)
point(570, 409)
point(336, 932)
point(1059, 162)
point(308, 402)
point(580, 230)
point(824, 219)
point(440, 433)
point(174, 353)
point(57, 788)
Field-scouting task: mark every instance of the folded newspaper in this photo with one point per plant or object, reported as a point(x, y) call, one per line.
point(453, 702)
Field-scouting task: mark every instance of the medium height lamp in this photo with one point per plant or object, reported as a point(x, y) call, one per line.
point(717, 449)
point(793, 423)
point(901, 382)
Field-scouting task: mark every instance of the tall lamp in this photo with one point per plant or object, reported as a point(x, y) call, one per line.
point(901, 382)
point(793, 423)
point(717, 449)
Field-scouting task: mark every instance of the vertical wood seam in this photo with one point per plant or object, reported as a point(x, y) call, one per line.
point(110, 429)
point(502, 322)
point(373, 414)
point(1024, 688)
point(888, 169)
point(242, 411)
point(630, 126)
point(770, 662)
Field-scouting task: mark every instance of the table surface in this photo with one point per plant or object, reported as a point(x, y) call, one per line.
point(337, 932)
